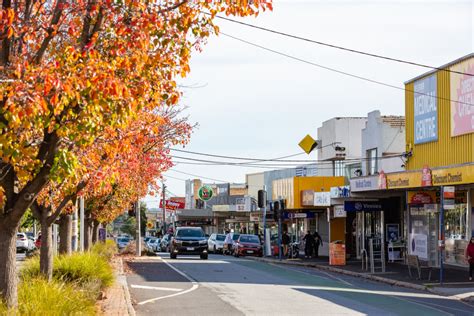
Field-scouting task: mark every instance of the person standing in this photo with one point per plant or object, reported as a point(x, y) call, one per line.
point(318, 241)
point(285, 241)
point(227, 243)
point(309, 244)
point(470, 257)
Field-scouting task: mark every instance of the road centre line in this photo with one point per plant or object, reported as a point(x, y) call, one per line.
point(145, 287)
point(194, 287)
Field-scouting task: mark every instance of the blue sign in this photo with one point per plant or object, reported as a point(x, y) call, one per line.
point(425, 110)
point(359, 206)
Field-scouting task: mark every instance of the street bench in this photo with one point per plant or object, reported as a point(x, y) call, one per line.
point(413, 261)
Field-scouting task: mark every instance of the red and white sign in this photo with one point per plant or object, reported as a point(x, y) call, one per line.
point(172, 205)
point(448, 192)
point(426, 178)
point(462, 96)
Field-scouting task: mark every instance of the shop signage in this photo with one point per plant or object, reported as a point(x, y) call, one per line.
point(403, 180)
point(240, 207)
point(339, 211)
point(426, 178)
point(359, 206)
point(431, 208)
point(382, 180)
point(462, 94)
point(425, 110)
point(456, 175)
point(254, 218)
point(364, 184)
point(340, 192)
point(422, 197)
point(172, 205)
point(221, 208)
point(289, 215)
point(205, 193)
point(419, 245)
point(322, 199)
point(449, 198)
point(307, 198)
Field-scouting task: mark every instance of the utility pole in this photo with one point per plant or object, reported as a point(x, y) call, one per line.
point(265, 222)
point(164, 207)
point(138, 218)
point(81, 215)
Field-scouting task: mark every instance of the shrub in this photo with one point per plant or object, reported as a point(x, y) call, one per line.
point(105, 249)
point(39, 297)
point(88, 270)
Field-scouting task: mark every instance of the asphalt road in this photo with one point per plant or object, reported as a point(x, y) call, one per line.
point(224, 285)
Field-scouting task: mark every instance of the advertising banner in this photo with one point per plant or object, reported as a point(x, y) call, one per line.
point(425, 110)
point(462, 96)
point(322, 199)
point(419, 245)
point(364, 184)
point(337, 254)
point(172, 205)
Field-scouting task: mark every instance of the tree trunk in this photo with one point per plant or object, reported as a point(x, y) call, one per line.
point(87, 233)
point(8, 277)
point(65, 234)
point(95, 231)
point(46, 252)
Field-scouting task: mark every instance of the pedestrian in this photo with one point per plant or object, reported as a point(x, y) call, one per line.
point(227, 243)
point(470, 257)
point(309, 244)
point(285, 241)
point(318, 241)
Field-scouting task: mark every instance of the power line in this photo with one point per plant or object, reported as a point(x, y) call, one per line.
point(340, 71)
point(343, 48)
point(233, 157)
point(194, 175)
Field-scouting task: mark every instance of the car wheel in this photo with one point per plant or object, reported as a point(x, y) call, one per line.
point(204, 257)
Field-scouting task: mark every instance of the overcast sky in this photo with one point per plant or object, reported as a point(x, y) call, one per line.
point(253, 103)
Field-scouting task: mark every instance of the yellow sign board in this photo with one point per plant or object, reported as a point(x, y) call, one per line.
point(308, 144)
point(403, 180)
point(449, 176)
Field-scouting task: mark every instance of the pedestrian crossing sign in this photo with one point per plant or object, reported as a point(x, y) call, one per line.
point(308, 144)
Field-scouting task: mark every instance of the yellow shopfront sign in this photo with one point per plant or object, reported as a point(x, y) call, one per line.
point(403, 180)
point(459, 175)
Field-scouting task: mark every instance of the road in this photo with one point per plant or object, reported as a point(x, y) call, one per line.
point(224, 285)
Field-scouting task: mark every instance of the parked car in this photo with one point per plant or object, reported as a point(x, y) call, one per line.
point(215, 243)
point(164, 243)
point(248, 245)
point(188, 241)
point(123, 242)
point(23, 244)
point(153, 244)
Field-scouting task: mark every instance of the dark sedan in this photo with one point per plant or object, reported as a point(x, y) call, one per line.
point(248, 245)
point(188, 241)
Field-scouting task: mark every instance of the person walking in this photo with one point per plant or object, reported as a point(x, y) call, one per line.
point(285, 241)
point(318, 241)
point(309, 244)
point(470, 257)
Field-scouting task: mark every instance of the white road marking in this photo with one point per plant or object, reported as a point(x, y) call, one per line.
point(194, 287)
point(133, 286)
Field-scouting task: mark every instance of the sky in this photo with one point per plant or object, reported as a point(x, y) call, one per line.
point(248, 102)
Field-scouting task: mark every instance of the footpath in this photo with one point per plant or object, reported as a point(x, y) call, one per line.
point(455, 281)
point(117, 301)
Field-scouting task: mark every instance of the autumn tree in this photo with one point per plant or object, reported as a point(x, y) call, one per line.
point(69, 69)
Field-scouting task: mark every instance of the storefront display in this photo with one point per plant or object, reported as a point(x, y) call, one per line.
point(456, 230)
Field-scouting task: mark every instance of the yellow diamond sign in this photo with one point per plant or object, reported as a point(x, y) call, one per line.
point(308, 144)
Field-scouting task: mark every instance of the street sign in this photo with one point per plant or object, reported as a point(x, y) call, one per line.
point(308, 144)
point(205, 193)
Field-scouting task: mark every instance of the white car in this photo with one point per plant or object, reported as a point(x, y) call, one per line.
point(23, 244)
point(154, 244)
point(215, 243)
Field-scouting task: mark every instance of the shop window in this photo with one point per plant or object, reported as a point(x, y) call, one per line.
point(456, 230)
point(372, 166)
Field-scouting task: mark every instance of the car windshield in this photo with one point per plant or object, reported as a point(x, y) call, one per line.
point(123, 240)
point(250, 239)
point(235, 237)
point(220, 237)
point(188, 232)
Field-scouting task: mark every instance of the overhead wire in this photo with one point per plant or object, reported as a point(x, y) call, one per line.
point(340, 71)
point(351, 50)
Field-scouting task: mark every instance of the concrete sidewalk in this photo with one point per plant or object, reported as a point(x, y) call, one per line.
point(455, 283)
point(117, 301)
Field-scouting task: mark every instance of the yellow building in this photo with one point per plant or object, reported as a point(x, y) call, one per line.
point(439, 110)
